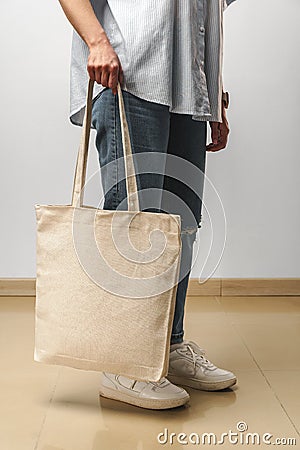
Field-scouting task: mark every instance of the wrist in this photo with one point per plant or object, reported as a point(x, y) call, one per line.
point(100, 40)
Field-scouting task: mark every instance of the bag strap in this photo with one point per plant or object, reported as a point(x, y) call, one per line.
point(81, 163)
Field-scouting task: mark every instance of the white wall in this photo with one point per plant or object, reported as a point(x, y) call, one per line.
point(256, 177)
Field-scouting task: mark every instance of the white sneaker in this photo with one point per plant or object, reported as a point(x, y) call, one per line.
point(188, 367)
point(151, 395)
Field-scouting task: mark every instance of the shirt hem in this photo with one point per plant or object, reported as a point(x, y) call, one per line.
point(76, 116)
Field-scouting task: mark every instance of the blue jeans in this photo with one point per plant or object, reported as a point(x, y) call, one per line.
point(168, 135)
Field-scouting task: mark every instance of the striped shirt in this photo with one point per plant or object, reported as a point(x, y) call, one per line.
point(171, 52)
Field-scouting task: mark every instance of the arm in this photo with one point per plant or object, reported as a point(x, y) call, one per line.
point(220, 130)
point(103, 63)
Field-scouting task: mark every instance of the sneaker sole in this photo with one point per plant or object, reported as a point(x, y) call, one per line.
point(202, 385)
point(142, 402)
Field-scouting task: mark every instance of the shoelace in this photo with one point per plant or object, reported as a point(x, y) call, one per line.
point(161, 382)
point(199, 356)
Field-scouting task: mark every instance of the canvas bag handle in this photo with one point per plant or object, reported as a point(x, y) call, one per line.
point(81, 164)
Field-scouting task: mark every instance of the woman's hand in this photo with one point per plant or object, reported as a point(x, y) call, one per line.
point(219, 134)
point(104, 66)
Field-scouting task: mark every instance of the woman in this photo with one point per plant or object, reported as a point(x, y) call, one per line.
point(167, 56)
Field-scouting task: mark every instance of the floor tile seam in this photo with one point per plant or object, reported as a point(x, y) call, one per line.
point(266, 380)
point(47, 409)
point(280, 402)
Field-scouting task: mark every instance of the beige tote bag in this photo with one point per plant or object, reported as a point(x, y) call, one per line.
point(106, 279)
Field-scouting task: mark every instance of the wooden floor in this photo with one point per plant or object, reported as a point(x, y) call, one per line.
point(58, 408)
